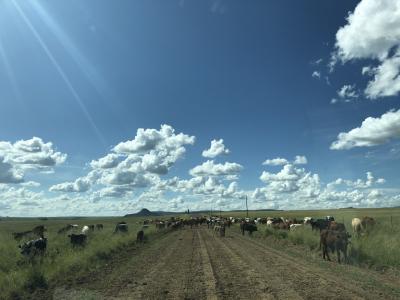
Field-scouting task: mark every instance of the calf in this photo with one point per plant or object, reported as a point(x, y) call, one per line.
point(140, 236)
point(334, 240)
point(77, 239)
point(34, 247)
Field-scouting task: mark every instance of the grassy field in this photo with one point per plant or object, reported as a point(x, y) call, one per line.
point(379, 249)
point(19, 276)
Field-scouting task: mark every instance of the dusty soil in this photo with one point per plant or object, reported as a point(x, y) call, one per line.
point(198, 264)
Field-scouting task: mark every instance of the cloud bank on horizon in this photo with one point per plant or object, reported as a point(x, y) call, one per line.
point(136, 174)
point(165, 169)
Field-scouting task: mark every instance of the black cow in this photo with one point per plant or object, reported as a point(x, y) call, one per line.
point(34, 247)
point(319, 224)
point(77, 239)
point(99, 226)
point(249, 227)
point(140, 236)
point(121, 227)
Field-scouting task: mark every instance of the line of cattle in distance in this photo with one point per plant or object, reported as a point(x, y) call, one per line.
point(333, 234)
point(78, 236)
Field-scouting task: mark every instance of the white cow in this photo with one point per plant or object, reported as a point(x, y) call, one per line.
point(85, 229)
point(356, 225)
point(307, 220)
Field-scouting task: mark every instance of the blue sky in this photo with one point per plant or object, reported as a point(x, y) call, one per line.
point(273, 79)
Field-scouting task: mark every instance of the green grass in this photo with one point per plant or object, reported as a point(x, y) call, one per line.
point(380, 248)
point(19, 275)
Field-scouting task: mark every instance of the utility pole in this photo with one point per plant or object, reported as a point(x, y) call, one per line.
point(247, 209)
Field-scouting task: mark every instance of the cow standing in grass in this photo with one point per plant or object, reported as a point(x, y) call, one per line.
point(334, 241)
point(78, 239)
point(31, 248)
point(121, 227)
point(140, 236)
point(249, 227)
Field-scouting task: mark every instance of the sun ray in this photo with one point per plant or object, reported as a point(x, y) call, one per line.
point(60, 71)
point(9, 72)
point(81, 61)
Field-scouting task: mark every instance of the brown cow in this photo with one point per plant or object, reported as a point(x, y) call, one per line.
point(334, 240)
point(336, 226)
point(367, 223)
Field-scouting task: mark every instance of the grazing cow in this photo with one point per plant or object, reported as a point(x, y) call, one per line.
point(91, 227)
point(34, 247)
point(357, 226)
point(78, 239)
point(320, 224)
point(85, 229)
point(336, 226)
point(140, 236)
point(121, 227)
point(334, 240)
point(249, 227)
point(99, 226)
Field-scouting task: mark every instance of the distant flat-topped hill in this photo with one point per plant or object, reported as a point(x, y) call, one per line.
point(143, 213)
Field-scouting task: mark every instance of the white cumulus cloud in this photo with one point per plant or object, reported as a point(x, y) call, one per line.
point(373, 32)
point(217, 148)
point(372, 132)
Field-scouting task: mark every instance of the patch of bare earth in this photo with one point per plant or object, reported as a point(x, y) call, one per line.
point(198, 264)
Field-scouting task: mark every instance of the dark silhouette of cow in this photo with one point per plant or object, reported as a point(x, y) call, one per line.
point(335, 241)
point(77, 239)
point(249, 227)
point(34, 247)
point(140, 236)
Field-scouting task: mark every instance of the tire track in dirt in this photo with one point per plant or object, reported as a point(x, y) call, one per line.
point(309, 280)
point(234, 278)
point(198, 264)
point(209, 277)
point(168, 276)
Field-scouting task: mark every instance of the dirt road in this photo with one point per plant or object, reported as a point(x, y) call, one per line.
point(196, 264)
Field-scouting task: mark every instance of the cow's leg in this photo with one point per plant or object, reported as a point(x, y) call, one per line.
point(338, 255)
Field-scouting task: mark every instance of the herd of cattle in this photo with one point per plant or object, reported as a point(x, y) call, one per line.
point(77, 236)
point(333, 234)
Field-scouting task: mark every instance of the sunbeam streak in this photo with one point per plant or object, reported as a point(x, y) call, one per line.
point(81, 61)
point(60, 71)
point(9, 72)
